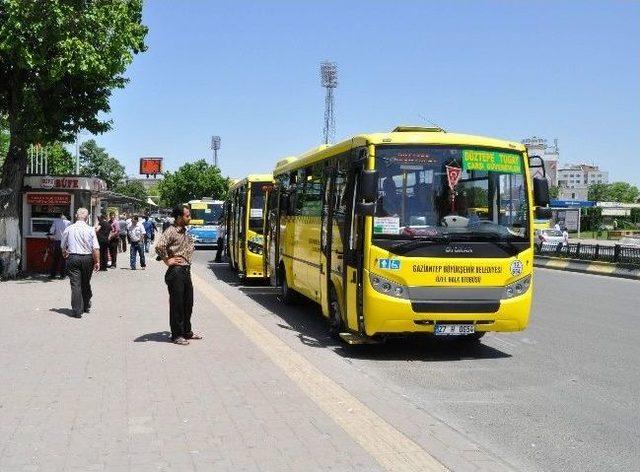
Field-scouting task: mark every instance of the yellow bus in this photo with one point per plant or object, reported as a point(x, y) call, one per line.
point(244, 220)
point(383, 231)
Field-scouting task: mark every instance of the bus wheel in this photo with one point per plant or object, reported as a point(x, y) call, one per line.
point(336, 325)
point(287, 294)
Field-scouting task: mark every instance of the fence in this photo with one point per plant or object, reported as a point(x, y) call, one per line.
point(592, 252)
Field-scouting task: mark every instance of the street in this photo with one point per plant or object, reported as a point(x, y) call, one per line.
point(268, 389)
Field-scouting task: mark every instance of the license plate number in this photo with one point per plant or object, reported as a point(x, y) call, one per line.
point(453, 329)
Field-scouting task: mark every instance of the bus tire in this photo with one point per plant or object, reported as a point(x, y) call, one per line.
point(288, 296)
point(336, 323)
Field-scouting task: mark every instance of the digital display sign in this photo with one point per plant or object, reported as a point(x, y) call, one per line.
point(150, 165)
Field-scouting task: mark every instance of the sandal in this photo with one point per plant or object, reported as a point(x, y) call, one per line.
point(196, 336)
point(181, 341)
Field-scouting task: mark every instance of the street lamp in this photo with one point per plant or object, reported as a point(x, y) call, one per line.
point(215, 145)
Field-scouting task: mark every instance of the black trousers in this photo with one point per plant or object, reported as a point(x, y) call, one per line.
point(123, 242)
point(57, 261)
point(219, 250)
point(80, 269)
point(178, 280)
point(113, 251)
point(104, 254)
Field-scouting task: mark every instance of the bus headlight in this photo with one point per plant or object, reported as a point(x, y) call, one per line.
point(254, 247)
point(387, 287)
point(517, 288)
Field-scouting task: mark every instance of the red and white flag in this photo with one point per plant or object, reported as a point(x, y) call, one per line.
point(453, 175)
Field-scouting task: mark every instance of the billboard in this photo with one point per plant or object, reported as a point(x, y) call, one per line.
point(150, 165)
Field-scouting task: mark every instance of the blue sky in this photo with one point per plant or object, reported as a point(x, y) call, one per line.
point(248, 71)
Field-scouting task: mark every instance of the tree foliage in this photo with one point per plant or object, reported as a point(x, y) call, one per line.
point(554, 191)
point(96, 162)
point(132, 188)
point(192, 181)
point(621, 192)
point(4, 139)
point(59, 62)
point(60, 161)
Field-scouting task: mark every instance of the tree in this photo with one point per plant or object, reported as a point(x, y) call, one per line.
point(133, 188)
point(59, 62)
point(622, 192)
point(553, 191)
point(60, 161)
point(192, 181)
point(4, 139)
point(96, 162)
point(597, 192)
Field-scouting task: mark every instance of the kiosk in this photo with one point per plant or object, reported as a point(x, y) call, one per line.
point(43, 199)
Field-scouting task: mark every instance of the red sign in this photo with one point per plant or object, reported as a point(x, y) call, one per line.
point(48, 198)
point(150, 165)
point(453, 175)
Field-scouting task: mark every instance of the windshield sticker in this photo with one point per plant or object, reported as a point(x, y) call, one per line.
point(386, 225)
point(256, 213)
point(491, 161)
point(391, 264)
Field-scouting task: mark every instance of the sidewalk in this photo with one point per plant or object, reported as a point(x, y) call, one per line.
point(108, 392)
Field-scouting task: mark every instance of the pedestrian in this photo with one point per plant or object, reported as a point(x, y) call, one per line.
point(557, 227)
point(114, 239)
point(103, 230)
point(136, 234)
point(122, 227)
point(81, 249)
point(565, 236)
point(150, 229)
point(175, 248)
point(222, 232)
point(55, 235)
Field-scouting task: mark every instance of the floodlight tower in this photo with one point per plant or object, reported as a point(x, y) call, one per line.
point(329, 80)
point(215, 145)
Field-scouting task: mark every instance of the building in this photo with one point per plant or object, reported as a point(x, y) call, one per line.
point(550, 155)
point(581, 175)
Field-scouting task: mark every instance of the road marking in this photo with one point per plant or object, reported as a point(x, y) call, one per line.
point(389, 447)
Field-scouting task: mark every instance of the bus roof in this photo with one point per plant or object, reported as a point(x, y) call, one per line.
point(250, 179)
point(400, 135)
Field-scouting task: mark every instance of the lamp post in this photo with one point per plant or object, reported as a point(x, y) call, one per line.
point(215, 145)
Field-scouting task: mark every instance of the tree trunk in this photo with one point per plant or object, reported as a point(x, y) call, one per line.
point(13, 172)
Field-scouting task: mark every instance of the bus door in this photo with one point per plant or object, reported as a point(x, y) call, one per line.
point(243, 199)
point(340, 239)
point(271, 231)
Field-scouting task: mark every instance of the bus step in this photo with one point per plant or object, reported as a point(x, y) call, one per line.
point(353, 338)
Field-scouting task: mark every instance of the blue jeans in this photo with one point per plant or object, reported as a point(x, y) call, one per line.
point(135, 249)
point(147, 243)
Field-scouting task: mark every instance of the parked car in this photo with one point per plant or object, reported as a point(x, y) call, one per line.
point(630, 242)
point(549, 237)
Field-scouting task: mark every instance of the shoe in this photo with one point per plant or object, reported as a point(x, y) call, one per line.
point(143, 268)
point(87, 308)
point(133, 268)
point(52, 276)
point(77, 316)
point(181, 341)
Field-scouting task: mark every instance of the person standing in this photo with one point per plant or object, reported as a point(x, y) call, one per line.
point(150, 229)
point(114, 239)
point(136, 241)
point(55, 235)
point(122, 227)
point(175, 247)
point(565, 236)
point(103, 230)
point(81, 249)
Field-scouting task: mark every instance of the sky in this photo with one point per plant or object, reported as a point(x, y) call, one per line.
point(249, 72)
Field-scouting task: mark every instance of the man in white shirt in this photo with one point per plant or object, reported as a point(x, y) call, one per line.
point(80, 247)
point(136, 233)
point(55, 235)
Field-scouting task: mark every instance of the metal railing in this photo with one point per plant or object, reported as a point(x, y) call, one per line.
point(591, 252)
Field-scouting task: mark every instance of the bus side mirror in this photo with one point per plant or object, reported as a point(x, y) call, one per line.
point(366, 209)
point(369, 185)
point(540, 192)
point(543, 213)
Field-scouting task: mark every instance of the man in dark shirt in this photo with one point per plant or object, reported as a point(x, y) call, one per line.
point(175, 248)
point(103, 230)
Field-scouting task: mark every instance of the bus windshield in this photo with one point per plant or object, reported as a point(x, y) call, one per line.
point(210, 215)
point(256, 206)
point(454, 193)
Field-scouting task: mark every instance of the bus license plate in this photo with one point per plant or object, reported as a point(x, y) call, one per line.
point(453, 329)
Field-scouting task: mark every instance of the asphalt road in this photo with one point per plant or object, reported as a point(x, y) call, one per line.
point(562, 395)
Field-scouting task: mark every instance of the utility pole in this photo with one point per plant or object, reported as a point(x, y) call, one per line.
point(215, 146)
point(329, 80)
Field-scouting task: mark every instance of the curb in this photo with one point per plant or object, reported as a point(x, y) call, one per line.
point(587, 267)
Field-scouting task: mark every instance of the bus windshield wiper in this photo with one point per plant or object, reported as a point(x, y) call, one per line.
point(419, 241)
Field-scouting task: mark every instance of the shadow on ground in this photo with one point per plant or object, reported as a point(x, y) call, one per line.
point(307, 321)
point(158, 337)
point(63, 311)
